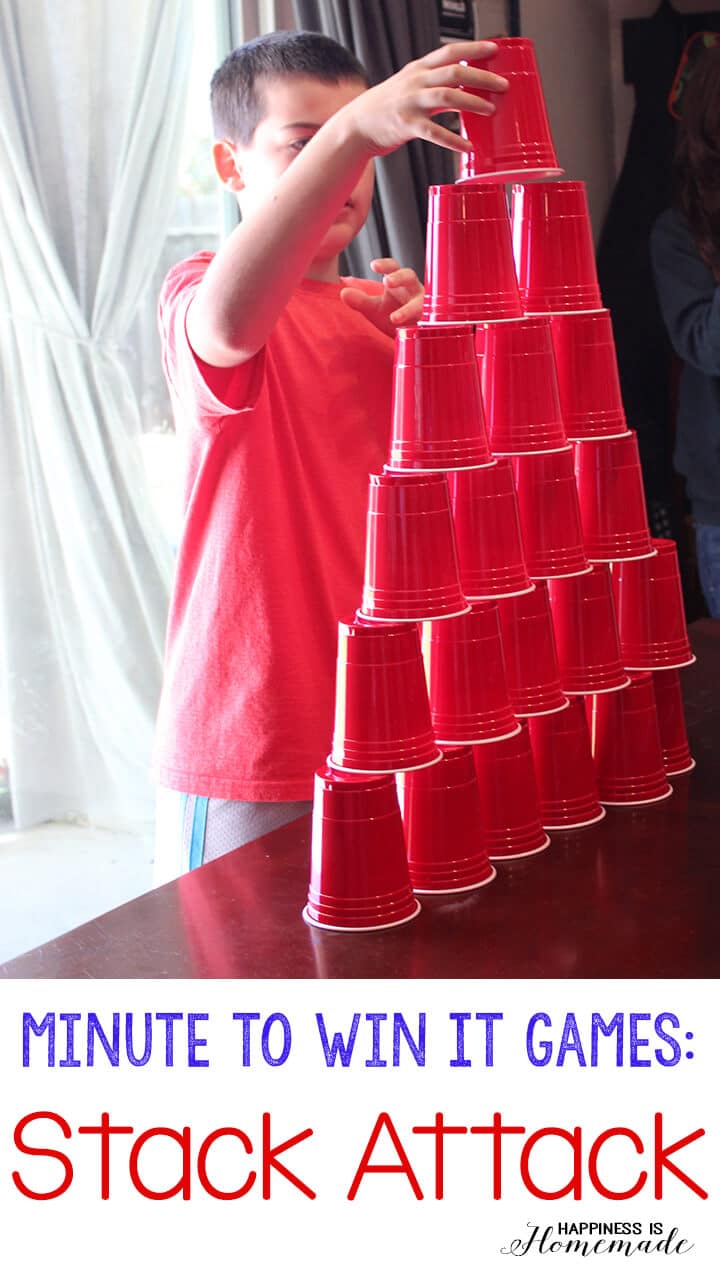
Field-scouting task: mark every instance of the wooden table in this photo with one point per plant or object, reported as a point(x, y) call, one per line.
point(634, 896)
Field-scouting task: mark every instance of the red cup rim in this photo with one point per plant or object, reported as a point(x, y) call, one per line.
point(392, 478)
point(640, 801)
point(562, 828)
point(397, 770)
point(531, 175)
point(663, 663)
point(352, 780)
point(437, 469)
point(684, 770)
point(597, 691)
point(426, 329)
point(574, 314)
point(451, 188)
point(571, 184)
point(581, 571)
point(399, 921)
point(543, 713)
point(519, 855)
point(562, 314)
point(362, 626)
point(456, 890)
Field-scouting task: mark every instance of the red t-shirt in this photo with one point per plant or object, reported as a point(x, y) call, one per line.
point(276, 459)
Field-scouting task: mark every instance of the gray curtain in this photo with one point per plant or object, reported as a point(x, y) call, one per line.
point(384, 35)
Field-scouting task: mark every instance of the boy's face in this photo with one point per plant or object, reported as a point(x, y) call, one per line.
point(295, 108)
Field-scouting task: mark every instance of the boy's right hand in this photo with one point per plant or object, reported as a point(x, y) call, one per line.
point(402, 107)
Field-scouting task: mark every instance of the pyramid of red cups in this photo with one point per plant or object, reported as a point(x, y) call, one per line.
point(511, 668)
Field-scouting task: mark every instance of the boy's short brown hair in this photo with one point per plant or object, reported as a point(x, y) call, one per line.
point(235, 100)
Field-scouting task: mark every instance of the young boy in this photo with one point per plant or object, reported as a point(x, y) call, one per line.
point(280, 378)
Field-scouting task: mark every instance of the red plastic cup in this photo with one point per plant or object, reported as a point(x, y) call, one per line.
point(564, 769)
point(650, 611)
point(438, 422)
point(465, 669)
point(515, 143)
point(519, 387)
point(411, 567)
point(490, 551)
point(553, 247)
point(509, 801)
point(550, 515)
point(587, 375)
point(382, 713)
point(443, 826)
point(671, 721)
point(626, 746)
point(359, 878)
point(612, 499)
point(586, 634)
point(469, 271)
point(530, 654)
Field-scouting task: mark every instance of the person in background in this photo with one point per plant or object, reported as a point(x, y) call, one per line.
point(280, 375)
point(685, 247)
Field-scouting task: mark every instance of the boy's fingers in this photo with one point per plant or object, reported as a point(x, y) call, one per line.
point(439, 100)
point(383, 265)
point(461, 49)
point(356, 299)
point(431, 132)
point(402, 277)
point(409, 313)
point(467, 77)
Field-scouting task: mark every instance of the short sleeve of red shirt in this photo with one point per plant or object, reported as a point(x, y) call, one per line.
point(213, 392)
point(276, 455)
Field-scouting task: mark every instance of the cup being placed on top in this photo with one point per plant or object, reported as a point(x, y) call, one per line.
point(489, 545)
point(515, 142)
point(411, 567)
point(509, 801)
point(564, 769)
point(359, 877)
point(626, 747)
point(465, 669)
point(651, 612)
point(519, 387)
point(382, 713)
point(553, 248)
point(612, 499)
point(438, 421)
point(443, 826)
point(469, 271)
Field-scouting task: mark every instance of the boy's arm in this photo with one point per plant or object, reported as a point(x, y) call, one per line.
point(253, 275)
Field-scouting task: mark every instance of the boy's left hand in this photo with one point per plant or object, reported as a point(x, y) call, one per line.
point(399, 304)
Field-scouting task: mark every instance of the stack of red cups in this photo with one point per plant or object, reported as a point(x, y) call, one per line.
point(516, 622)
point(626, 615)
point(368, 857)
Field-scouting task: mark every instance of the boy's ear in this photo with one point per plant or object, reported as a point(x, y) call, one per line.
point(226, 165)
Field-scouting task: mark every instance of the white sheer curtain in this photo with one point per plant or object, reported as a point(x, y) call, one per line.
point(92, 95)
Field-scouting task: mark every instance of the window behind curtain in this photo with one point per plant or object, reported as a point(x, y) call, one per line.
point(203, 213)
point(195, 225)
